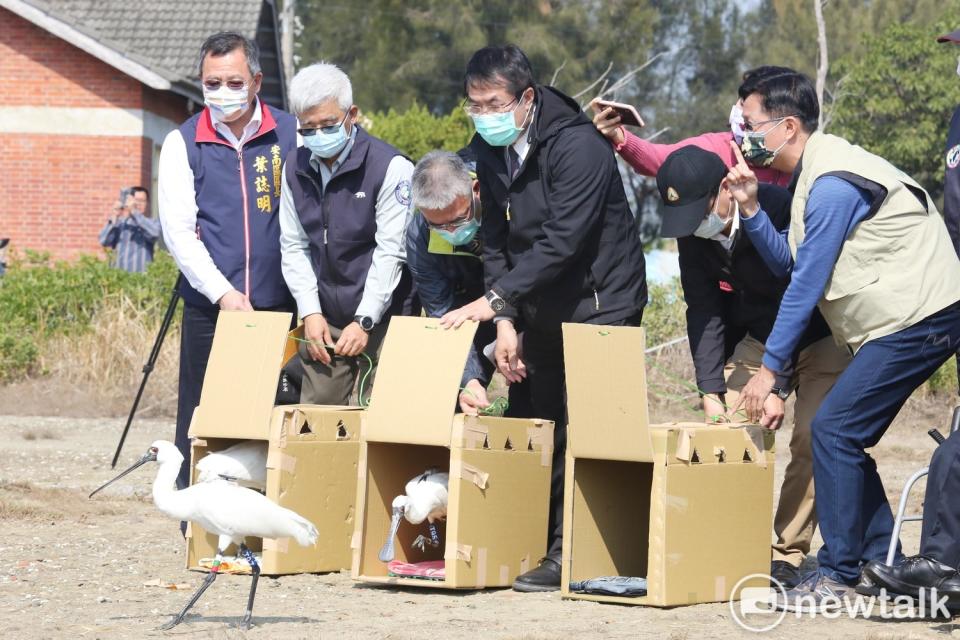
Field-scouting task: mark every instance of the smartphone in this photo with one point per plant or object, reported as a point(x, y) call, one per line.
point(628, 114)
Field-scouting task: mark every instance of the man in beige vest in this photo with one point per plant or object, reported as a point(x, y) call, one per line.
point(868, 247)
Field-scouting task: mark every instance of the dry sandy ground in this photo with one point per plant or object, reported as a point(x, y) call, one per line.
point(73, 568)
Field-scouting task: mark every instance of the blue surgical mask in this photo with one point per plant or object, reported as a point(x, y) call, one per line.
point(326, 145)
point(465, 232)
point(461, 235)
point(499, 129)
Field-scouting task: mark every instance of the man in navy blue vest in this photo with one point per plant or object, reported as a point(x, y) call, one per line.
point(219, 192)
point(445, 256)
point(345, 205)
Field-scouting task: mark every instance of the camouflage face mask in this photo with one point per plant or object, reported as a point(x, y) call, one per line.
point(754, 147)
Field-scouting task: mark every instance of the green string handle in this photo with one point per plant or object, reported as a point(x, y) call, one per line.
point(496, 409)
point(363, 378)
point(693, 387)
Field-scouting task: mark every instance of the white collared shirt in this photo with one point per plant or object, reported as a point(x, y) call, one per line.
point(727, 241)
point(177, 205)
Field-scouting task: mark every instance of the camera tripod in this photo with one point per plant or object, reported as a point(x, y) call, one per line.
point(151, 363)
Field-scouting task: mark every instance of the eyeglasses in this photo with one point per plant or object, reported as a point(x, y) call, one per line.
point(327, 128)
point(751, 128)
point(213, 85)
point(474, 109)
point(454, 224)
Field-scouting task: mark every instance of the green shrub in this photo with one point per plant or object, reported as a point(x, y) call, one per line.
point(417, 131)
point(40, 299)
point(665, 315)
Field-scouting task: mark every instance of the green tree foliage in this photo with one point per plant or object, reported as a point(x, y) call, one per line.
point(896, 99)
point(400, 52)
point(416, 131)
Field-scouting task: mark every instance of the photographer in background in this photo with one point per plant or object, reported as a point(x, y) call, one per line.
point(130, 232)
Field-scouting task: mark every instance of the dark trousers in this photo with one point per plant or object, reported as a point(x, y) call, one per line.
point(940, 539)
point(543, 355)
point(196, 339)
point(855, 518)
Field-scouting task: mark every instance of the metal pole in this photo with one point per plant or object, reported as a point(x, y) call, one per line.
point(151, 362)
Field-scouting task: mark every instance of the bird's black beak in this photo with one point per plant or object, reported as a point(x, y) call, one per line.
point(149, 456)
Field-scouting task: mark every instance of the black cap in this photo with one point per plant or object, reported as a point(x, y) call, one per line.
point(953, 36)
point(687, 179)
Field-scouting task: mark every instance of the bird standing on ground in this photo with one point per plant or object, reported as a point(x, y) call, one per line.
point(425, 499)
point(223, 508)
point(245, 462)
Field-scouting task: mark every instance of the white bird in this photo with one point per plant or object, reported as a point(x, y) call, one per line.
point(245, 462)
point(224, 508)
point(425, 499)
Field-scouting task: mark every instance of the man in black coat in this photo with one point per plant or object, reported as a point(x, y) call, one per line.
point(732, 302)
point(560, 244)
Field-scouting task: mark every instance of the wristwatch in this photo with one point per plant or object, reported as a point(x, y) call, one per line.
point(496, 302)
point(366, 322)
point(783, 394)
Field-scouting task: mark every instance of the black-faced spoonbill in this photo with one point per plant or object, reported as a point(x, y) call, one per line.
point(224, 508)
point(425, 499)
point(245, 462)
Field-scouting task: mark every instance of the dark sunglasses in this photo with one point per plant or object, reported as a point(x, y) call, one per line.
point(327, 129)
point(213, 85)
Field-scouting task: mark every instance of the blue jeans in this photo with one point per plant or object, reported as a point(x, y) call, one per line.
point(855, 518)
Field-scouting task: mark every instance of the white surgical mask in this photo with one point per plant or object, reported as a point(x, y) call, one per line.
point(958, 65)
point(713, 224)
point(225, 102)
point(736, 122)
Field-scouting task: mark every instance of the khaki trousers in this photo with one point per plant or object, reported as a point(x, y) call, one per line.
point(818, 367)
point(334, 384)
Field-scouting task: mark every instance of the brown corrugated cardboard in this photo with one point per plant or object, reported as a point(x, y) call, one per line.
point(688, 506)
point(499, 467)
point(240, 384)
point(311, 469)
point(312, 451)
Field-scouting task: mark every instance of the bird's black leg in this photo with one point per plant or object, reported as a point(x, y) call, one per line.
point(214, 570)
point(255, 570)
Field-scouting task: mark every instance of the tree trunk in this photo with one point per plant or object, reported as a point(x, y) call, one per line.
point(823, 65)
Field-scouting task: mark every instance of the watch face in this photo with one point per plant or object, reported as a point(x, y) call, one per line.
point(366, 323)
point(497, 305)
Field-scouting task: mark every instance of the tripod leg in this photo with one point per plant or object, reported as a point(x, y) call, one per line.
point(151, 362)
point(255, 570)
point(214, 570)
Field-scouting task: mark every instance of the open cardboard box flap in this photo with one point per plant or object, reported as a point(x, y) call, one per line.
point(240, 385)
point(418, 378)
point(606, 393)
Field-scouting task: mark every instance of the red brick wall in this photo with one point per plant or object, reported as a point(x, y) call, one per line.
point(56, 191)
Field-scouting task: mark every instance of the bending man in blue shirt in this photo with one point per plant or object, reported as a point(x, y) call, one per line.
point(867, 246)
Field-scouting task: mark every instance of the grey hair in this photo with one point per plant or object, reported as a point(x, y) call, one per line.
point(438, 179)
point(220, 44)
point(318, 83)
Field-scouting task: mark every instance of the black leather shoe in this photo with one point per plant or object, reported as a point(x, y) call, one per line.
point(546, 577)
point(912, 575)
point(785, 573)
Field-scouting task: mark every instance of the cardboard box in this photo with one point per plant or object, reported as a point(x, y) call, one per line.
point(688, 506)
point(312, 450)
point(496, 525)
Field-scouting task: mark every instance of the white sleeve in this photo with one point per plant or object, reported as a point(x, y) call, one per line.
point(393, 212)
point(177, 205)
point(295, 257)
